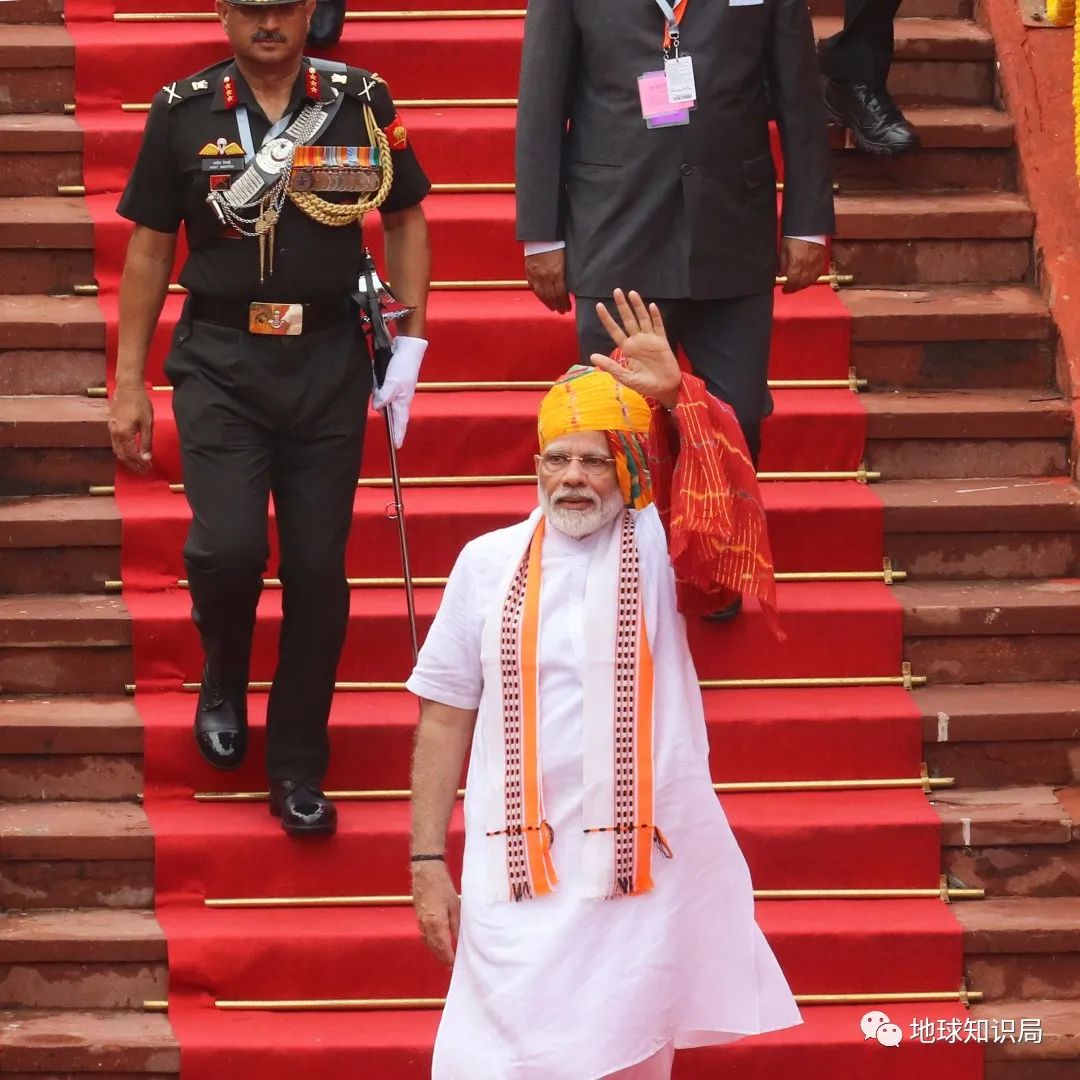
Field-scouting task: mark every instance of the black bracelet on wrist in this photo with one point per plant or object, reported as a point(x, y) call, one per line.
point(427, 858)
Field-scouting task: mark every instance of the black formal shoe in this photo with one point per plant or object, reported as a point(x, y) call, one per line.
point(303, 808)
point(872, 117)
point(326, 23)
point(220, 726)
point(725, 614)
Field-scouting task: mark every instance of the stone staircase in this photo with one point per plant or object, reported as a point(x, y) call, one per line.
point(971, 438)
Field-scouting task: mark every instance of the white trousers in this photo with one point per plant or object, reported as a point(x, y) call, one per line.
point(656, 1067)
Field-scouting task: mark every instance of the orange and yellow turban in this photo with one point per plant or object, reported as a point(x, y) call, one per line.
point(586, 399)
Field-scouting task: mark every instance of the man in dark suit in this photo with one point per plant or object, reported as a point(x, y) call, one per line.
point(856, 65)
point(683, 213)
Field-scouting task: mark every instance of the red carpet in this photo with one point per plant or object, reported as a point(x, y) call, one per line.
point(792, 840)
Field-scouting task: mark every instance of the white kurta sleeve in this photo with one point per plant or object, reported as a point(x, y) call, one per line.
point(448, 669)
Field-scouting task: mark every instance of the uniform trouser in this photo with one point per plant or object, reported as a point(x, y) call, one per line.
point(656, 1067)
point(726, 342)
point(862, 51)
point(260, 415)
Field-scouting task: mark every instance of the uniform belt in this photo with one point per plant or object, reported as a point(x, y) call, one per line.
point(234, 313)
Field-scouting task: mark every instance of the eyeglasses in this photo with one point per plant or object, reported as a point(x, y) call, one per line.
point(591, 464)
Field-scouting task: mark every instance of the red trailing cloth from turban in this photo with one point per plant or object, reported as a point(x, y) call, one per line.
point(706, 492)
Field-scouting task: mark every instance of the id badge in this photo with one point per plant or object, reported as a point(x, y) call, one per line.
point(281, 320)
point(679, 74)
point(674, 119)
point(653, 92)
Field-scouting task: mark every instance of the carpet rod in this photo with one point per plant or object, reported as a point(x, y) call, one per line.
point(750, 787)
point(852, 382)
point(833, 279)
point(944, 892)
point(962, 996)
point(888, 576)
point(861, 475)
point(906, 680)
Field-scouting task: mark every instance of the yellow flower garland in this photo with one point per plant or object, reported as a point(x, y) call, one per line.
point(1063, 13)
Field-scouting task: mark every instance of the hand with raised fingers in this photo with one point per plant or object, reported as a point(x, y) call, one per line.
point(648, 364)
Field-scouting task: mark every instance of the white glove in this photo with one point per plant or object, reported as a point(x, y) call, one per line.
point(396, 392)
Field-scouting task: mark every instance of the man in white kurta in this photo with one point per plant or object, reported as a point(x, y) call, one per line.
point(568, 984)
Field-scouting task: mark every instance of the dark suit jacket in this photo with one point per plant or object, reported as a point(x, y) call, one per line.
point(673, 212)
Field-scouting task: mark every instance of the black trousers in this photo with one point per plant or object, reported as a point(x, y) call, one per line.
point(283, 416)
point(726, 342)
point(862, 51)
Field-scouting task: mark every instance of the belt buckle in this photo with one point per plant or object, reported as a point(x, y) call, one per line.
point(279, 320)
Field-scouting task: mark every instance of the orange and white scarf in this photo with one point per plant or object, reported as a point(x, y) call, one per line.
point(618, 802)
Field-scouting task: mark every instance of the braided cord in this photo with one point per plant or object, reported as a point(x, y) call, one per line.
point(338, 214)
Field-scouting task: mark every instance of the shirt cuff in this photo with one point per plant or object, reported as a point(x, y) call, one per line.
point(538, 247)
point(809, 239)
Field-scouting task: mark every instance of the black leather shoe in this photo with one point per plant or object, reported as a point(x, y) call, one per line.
point(327, 23)
point(303, 808)
point(725, 614)
point(872, 117)
point(220, 727)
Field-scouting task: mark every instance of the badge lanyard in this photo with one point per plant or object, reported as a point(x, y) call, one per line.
point(246, 140)
point(677, 77)
point(673, 15)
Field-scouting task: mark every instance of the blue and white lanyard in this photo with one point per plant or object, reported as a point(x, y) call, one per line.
point(244, 124)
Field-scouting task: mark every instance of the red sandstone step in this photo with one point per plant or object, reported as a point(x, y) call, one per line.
point(82, 748)
point(833, 734)
point(874, 234)
point(50, 322)
point(965, 147)
point(951, 433)
point(999, 712)
point(104, 959)
point(945, 335)
point(481, 433)
point(49, 134)
point(991, 631)
point(1014, 842)
point(52, 11)
point(379, 953)
point(1015, 816)
point(1002, 734)
point(74, 831)
point(967, 414)
point(64, 521)
point(45, 222)
point(475, 44)
point(397, 1046)
point(917, 216)
point(989, 608)
point(70, 725)
point(67, 643)
point(1003, 527)
point(50, 345)
point(445, 519)
point(909, 9)
point(947, 313)
point(53, 422)
point(57, 544)
point(126, 1042)
point(848, 839)
point(1056, 1057)
point(1023, 948)
point(73, 433)
point(38, 152)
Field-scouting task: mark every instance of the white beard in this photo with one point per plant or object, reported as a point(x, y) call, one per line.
point(579, 523)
